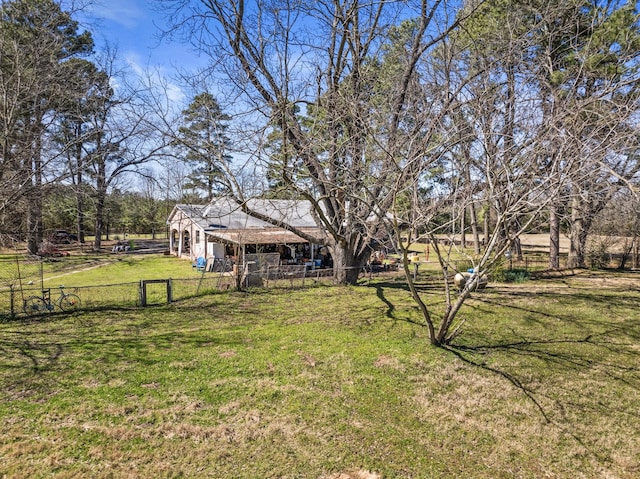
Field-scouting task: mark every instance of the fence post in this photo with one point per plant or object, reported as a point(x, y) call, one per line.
point(143, 289)
point(12, 301)
point(143, 294)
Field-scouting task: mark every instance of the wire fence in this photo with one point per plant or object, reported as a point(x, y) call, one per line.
point(22, 279)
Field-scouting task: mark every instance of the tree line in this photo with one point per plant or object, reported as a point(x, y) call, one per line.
point(65, 126)
point(398, 121)
point(81, 137)
point(124, 212)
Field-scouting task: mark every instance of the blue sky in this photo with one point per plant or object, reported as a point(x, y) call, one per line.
point(132, 26)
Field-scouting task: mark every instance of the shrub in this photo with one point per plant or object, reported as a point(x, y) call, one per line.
point(515, 275)
point(598, 255)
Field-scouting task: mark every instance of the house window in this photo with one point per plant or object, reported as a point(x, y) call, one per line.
point(197, 237)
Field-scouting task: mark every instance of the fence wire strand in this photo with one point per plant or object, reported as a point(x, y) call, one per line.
point(22, 278)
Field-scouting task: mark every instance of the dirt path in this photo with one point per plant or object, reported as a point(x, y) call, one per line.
point(140, 247)
point(88, 268)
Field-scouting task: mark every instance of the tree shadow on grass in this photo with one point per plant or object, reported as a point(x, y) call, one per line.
point(568, 347)
point(604, 340)
point(37, 360)
point(610, 320)
point(429, 286)
point(531, 394)
point(568, 373)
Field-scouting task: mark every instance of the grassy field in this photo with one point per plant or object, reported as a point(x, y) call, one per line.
point(331, 382)
point(113, 269)
point(106, 280)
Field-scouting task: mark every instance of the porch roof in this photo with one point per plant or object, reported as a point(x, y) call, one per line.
point(257, 236)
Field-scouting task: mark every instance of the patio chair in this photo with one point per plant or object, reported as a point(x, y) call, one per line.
point(201, 264)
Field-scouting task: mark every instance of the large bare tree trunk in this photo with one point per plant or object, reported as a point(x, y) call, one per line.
point(347, 266)
point(554, 237)
point(578, 236)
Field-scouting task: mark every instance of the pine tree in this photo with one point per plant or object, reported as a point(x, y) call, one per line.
point(204, 142)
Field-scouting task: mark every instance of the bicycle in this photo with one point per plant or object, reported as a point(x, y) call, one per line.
point(67, 302)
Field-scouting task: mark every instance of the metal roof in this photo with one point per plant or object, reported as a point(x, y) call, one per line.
point(256, 236)
point(224, 219)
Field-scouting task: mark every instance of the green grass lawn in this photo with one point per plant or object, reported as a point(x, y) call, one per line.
point(99, 280)
point(96, 269)
point(324, 381)
point(114, 269)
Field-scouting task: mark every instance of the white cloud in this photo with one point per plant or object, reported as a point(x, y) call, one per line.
point(134, 62)
point(126, 13)
point(176, 94)
point(157, 75)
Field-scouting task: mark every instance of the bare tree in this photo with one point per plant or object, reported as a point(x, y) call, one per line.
point(74, 130)
point(37, 40)
point(385, 115)
point(312, 72)
point(523, 155)
point(586, 72)
point(121, 139)
point(477, 138)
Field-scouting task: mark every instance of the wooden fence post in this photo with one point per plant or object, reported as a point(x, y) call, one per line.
point(143, 294)
point(143, 289)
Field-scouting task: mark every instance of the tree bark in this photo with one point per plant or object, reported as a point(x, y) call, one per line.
point(473, 216)
point(554, 237)
point(346, 265)
point(578, 236)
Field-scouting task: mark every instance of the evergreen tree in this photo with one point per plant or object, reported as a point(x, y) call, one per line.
point(203, 140)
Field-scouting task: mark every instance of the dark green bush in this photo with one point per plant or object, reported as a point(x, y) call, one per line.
point(515, 275)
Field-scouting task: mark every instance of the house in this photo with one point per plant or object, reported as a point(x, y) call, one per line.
point(221, 229)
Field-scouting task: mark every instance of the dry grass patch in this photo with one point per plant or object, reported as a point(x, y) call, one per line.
point(353, 475)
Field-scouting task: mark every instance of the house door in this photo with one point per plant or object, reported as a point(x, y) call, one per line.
point(174, 241)
point(186, 243)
